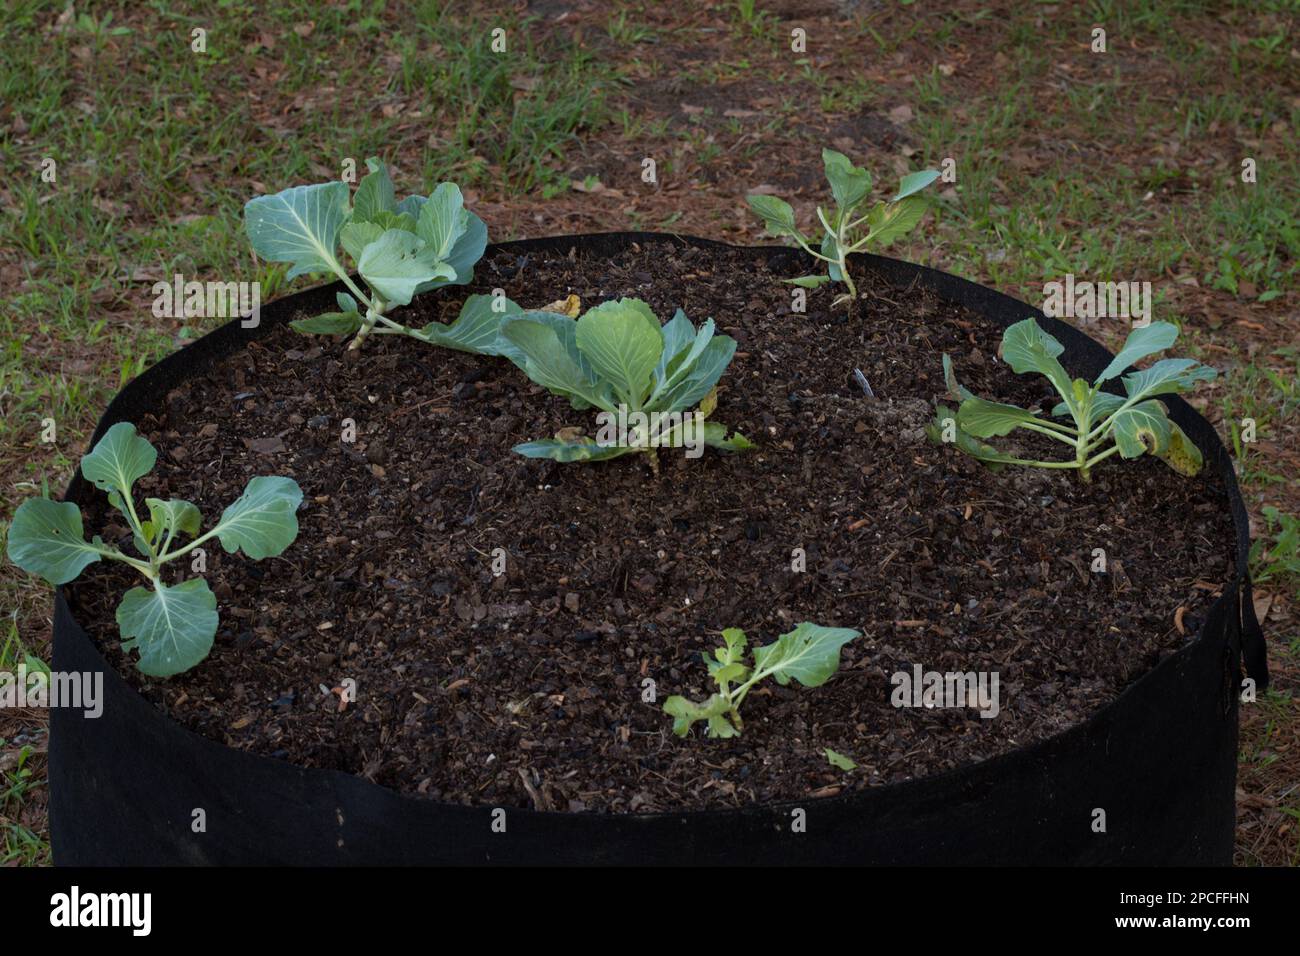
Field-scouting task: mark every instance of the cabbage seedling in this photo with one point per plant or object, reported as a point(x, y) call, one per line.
point(844, 231)
point(1101, 424)
point(809, 654)
point(400, 249)
point(617, 358)
point(171, 626)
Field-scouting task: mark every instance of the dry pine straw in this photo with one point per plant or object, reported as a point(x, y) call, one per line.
point(526, 689)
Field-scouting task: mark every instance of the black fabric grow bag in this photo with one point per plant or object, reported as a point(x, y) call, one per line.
point(1160, 760)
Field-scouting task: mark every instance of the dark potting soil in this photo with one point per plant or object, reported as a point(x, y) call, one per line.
point(526, 689)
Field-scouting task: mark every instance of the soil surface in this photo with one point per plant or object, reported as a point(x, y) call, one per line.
point(526, 688)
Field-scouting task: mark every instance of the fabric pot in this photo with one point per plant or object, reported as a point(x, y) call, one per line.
point(1161, 759)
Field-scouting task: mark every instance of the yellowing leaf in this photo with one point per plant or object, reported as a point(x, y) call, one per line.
point(1181, 454)
point(570, 305)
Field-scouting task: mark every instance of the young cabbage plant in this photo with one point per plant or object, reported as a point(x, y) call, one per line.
point(400, 249)
point(171, 626)
point(617, 358)
point(809, 654)
point(1101, 424)
point(844, 231)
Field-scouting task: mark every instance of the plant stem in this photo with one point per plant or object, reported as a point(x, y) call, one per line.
point(854, 225)
point(171, 533)
point(141, 566)
point(1059, 436)
point(148, 569)
point(812, 252)
point(1030, 462)
point(1103, 456)
point(187, 548)
point(1071, 430)
point(739, 694)
point(841, 251)
point(1106, 422)
point(841, 248)
point(347, 281)
point(1082, 463)
point(374, 314)
point(821, 216)
point(848, 279)
point(131, 515)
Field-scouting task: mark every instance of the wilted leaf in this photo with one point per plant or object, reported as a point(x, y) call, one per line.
point(1181, 454)
point(956, 391)
point(570, 305)
point(1141, 428)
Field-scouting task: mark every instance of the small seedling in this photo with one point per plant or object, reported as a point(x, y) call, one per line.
point(1281, 557)
point(617, 358)
point(400, 249)
point(810, 654)
point(171, 626)
point(1102, 423)
point(842, 233)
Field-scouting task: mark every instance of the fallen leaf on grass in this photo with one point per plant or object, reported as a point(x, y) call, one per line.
point(1263, 604)
point(1254, 800)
